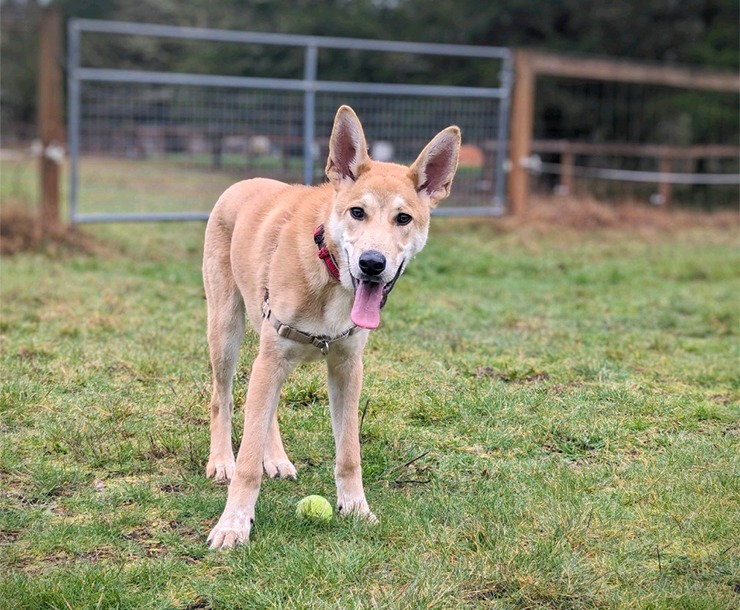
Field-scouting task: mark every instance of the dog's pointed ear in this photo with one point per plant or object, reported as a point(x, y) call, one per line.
point(433, 171)
point(348, 156)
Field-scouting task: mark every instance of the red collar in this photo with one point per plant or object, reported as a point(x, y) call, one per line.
point(324, 254)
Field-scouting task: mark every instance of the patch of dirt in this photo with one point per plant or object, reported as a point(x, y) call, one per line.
point(20, 231)
point(8, 537)
point(99, 554)
point(35, 566)
point(583, 214)
point(491, 592)
point(527, 376)
point(199, 603)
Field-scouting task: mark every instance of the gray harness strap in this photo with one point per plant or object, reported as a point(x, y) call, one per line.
point(323, 343)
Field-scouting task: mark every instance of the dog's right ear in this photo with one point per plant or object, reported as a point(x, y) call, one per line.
point(348, 156)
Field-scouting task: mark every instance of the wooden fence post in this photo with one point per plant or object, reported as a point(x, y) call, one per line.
point(49, 115)
point(665, 188)
point(567, 161)
point(522, 125)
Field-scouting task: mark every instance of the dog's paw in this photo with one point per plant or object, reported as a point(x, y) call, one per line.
point(221, 468)
point(356, 508)
point(229, 532)
point(282, 469)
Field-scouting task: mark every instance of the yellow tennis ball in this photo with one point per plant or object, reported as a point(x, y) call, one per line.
point(314, 508)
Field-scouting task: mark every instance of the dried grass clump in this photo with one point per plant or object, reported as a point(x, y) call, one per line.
point(586, 214)
point(20, 231)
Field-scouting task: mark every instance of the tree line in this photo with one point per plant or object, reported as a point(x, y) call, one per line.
point(690, 32)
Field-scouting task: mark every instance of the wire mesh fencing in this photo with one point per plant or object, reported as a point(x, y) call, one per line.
point(151, 145)
point(642, 141)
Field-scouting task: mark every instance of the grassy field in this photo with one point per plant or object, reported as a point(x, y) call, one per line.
point(552, 422)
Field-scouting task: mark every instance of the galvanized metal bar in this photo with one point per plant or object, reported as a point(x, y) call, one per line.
point(400, 89)
point(141, 217)
point(629, 175)
point(73, 115)
point(506, 79)
point(295, 40)
point(281, 84)
point(203, 216)
point(309, 111)
point(468, 211)
point(186, 79)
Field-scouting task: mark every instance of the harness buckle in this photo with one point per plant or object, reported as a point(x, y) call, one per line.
point(283, 330)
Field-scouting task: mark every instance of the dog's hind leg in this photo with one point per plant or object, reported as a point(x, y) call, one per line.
point(226, 326)
point(276, 461)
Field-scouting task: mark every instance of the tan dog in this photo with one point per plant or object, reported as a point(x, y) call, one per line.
point(325, 294)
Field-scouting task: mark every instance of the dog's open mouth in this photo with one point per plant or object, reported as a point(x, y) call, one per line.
point(370, 297)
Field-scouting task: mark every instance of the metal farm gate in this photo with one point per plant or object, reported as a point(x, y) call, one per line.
point(156, 145)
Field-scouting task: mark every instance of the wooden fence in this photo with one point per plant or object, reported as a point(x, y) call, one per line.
point(531, 64)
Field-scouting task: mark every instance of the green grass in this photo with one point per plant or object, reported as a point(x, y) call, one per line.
point(577, 395)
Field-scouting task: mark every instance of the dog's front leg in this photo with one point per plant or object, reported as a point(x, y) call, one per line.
point(345, 383)
point(268, 374)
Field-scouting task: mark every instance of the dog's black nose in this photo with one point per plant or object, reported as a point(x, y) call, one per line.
point(372, 262)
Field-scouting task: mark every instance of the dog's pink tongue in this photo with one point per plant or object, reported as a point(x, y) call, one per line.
point(366, 308)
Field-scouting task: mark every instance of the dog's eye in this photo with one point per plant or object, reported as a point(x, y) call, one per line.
point(357, 213)
point(403, 219)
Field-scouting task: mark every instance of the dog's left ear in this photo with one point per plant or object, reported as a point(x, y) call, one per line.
point(348, 156)
point(433, 171)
